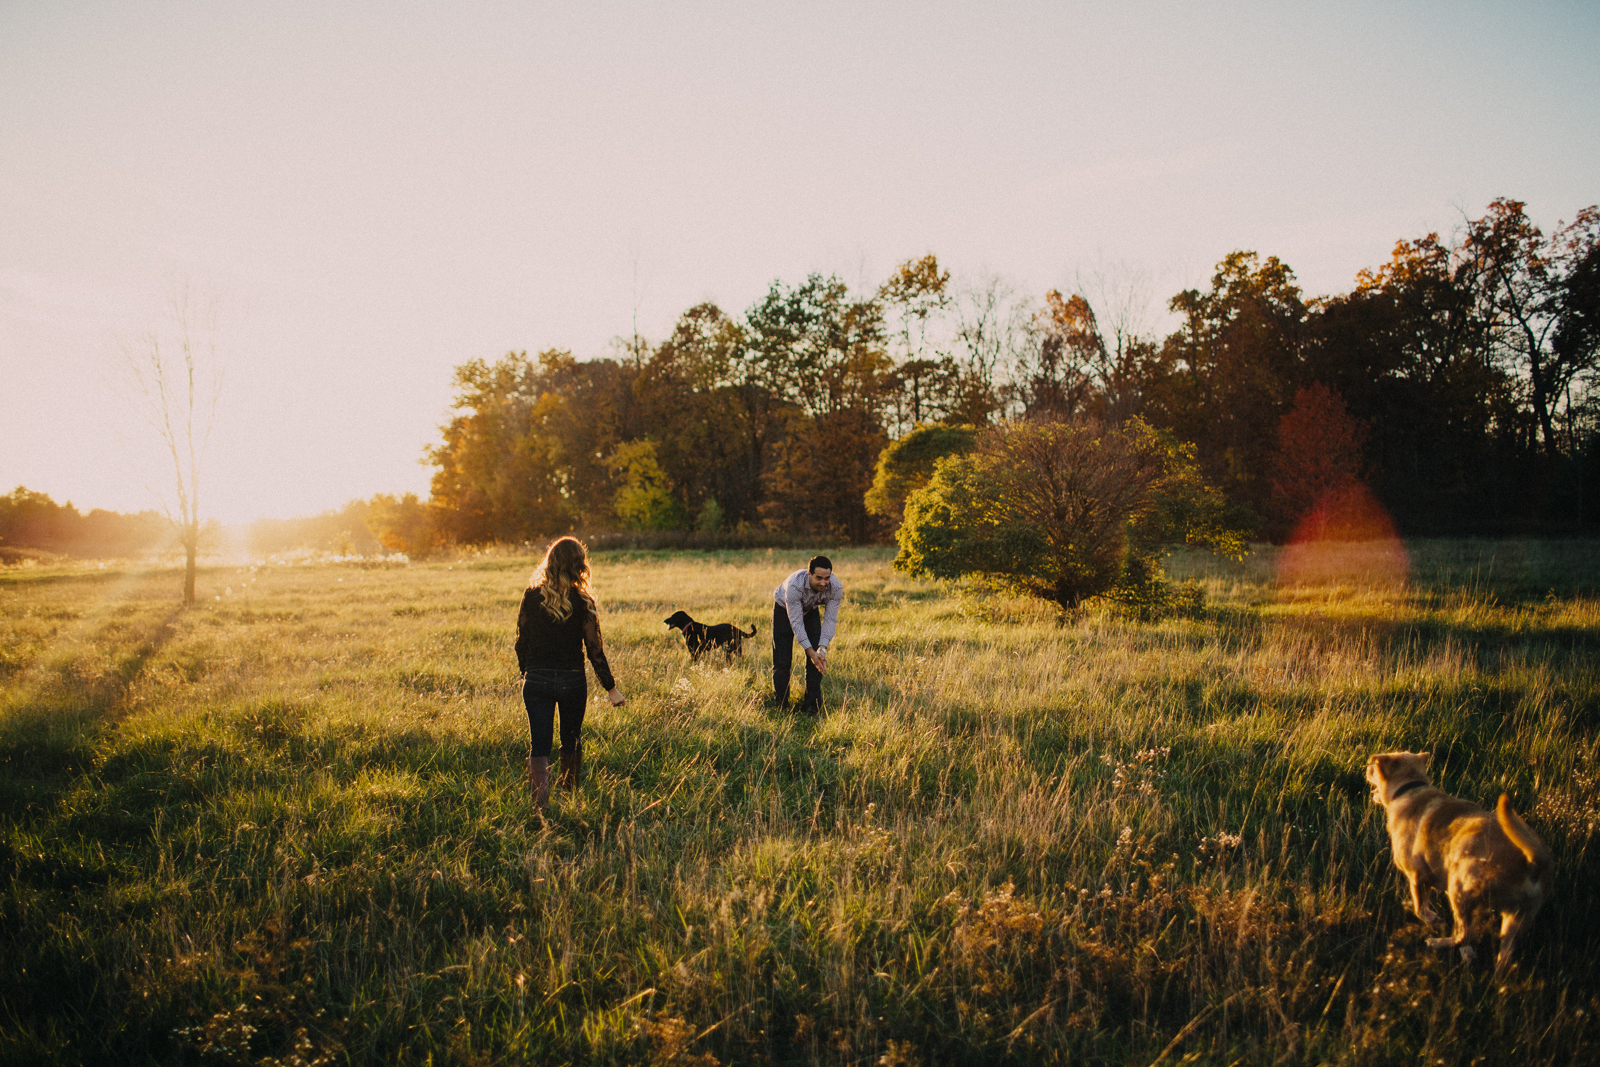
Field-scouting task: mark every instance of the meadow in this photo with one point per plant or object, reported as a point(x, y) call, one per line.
point(289, 825)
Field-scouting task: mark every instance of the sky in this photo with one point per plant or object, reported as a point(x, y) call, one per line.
point(371, 194)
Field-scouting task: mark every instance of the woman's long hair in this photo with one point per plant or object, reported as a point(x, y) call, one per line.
point(565, 567)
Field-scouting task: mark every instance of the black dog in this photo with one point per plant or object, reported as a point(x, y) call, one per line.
point(700, 637)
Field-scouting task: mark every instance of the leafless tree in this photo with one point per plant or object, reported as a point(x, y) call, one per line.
point(1120, 295)
point(175, 380)
point(992, 331)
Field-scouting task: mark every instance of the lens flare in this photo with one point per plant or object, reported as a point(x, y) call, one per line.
point(1347, 537)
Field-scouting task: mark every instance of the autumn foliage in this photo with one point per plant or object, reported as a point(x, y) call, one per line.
point(1447, 392)
point(1450, 391)
point(1063, 510)
point(1316, 478)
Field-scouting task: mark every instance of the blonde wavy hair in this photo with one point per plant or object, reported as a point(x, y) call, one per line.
point(565, 568)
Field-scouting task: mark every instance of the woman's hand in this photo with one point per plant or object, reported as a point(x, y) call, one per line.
point(617, 699)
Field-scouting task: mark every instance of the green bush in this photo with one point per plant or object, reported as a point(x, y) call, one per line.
point(1065, 511)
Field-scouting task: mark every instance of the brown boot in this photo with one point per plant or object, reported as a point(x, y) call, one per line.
point(539, 780)
point(571, 765)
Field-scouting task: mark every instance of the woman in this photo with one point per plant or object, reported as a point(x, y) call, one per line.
point(557, 624)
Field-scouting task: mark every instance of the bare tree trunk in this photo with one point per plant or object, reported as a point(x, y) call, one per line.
point(175, 382)
point(190, 546)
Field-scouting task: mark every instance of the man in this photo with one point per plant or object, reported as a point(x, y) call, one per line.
point(806, 607)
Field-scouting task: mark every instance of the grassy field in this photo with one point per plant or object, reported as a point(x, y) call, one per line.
point(289, 825)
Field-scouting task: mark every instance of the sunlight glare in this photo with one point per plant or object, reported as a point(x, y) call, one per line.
point(1348, 536)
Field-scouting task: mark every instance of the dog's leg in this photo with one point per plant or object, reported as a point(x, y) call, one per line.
point(1511, 923)
point(1461, 908)
point(1419, 906)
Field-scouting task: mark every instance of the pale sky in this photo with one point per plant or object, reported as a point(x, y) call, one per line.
point(381, 191)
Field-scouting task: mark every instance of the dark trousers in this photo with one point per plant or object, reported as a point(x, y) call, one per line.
point(543, 692)
point(783, 643)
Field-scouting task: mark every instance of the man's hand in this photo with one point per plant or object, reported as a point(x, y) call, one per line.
point(818, 660)
point(617, 699)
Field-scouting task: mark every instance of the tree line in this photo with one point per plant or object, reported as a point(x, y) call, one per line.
point(1453, 384)
point(30, 520)
point(34, 526)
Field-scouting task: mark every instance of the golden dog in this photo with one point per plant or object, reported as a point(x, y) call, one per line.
point(1482, 861)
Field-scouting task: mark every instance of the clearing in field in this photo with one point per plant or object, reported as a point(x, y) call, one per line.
point(289, 825)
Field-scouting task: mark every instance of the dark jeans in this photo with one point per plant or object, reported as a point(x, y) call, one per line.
point(783, 643)
point(543, 691)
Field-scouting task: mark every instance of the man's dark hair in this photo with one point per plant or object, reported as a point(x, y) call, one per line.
point(819, 561)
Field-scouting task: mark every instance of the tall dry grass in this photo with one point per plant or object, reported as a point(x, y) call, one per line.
point(288, 826)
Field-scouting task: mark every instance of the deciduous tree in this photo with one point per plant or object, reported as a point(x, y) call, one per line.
point(1319, 452)
point(496, 478)
point(701, 401)
point(645, 500)
point(175, 376)
point(1409, 350)
point(821, 351)
point(1064, 511)
point(1051, 379)
point(1522, 291)
point(402, 524)
point(1235, 360)
point(928, 383)
point(907, 464)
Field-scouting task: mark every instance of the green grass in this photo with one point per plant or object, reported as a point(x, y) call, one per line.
point(289, 825)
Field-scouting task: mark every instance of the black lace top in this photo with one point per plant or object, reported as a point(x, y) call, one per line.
point(543, 642)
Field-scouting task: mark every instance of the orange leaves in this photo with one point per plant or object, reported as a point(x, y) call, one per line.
point(1319, 460)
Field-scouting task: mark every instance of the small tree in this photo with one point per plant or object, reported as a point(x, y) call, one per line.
point(176, 381)
point(906, 465)
point(402, 524)
point(1064, 511)
point(1319, 453)
point(645, 501)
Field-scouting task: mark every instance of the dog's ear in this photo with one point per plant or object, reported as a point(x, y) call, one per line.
point(1424, 757)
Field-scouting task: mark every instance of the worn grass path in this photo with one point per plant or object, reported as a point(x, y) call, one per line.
point(289, 825)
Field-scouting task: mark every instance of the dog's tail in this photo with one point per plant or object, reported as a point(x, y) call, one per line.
point(752, 632)
point(1526, 840)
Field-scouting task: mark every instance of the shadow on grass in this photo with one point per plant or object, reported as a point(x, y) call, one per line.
point(49, 736)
